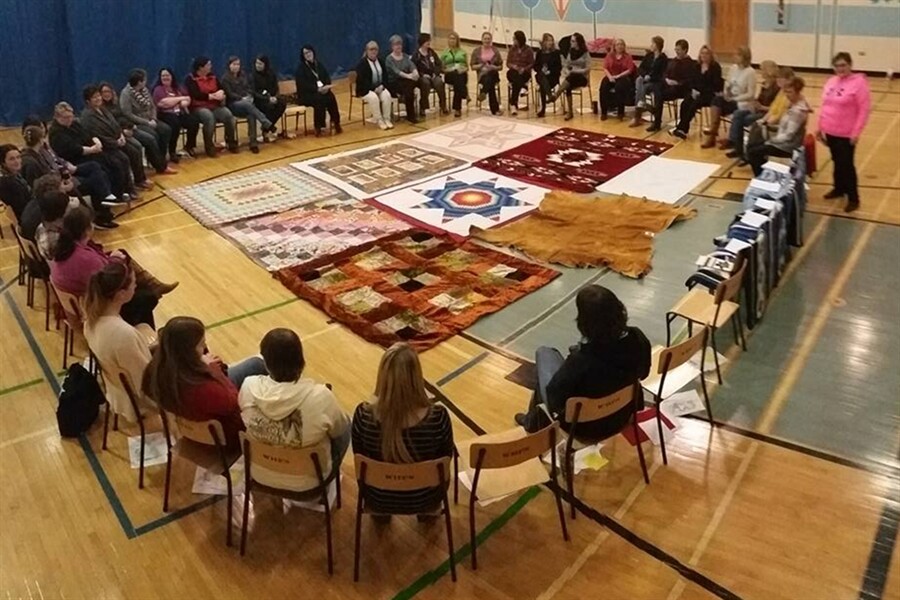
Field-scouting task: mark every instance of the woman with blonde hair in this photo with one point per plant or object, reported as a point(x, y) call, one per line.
point(487, 64)
point(707, 83)
point(738, 92)
point(547, 68)
point(401, 424)
point(618, 83)
point(371, 86)
point(456, 71)
point(745, 117)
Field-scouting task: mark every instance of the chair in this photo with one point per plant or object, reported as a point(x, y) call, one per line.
point(37, 269)
point(671, 358)
point(478, 101)
point(585, 410)
point(73, 318)
point(513, 450)
point(287, 89)
point(712, 310)
point(289, 461)
point(14, 225)
point(401, 478)
point(119, 378)
point(351, 81)
point(580, 93)
point(203, 444)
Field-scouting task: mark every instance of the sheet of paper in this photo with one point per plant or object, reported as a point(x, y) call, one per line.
point(588, 457)
point(676, 378)
point(777, 167)
point(154, 450)
point(211, 484)
point(661, 179)
point(754, 219)
point(651, 429)
point(766, 186)
point(735, 245)
point(684, 403)
point(765, 204)
point(467, 483)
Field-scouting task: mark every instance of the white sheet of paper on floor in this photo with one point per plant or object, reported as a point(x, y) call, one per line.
point(777, 167)
point(650, 428)
point(676, 378)
point(684, 403)
point(588, 457)
point(754, 219)
point(313, 505)
point(464, 479)
point(212, 484)
point(154, 450)
point(661, 179)
point(766, 186)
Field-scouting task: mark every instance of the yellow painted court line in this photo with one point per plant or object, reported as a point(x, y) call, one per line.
point(151, 234)
point(799, 358)
point(156, 216)
point(28, 436)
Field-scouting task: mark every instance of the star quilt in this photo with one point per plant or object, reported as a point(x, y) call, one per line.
point(474, 139)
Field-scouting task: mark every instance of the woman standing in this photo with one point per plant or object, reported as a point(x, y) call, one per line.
point(402, 77)
point(709, 82)
point(314, 89)
point(456, 72)
point(548, 66)
point(431, 75)
point(487, 63)
point(576, 65)
point(846, 104)
point(265, 91)
point(738, 93)
point(370, 86)
point(173, 107)
point(239, 97)
point(402, 425)
point(519, 61)
point(618, 84)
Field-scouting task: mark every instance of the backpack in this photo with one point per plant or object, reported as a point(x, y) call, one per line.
point(79, 402)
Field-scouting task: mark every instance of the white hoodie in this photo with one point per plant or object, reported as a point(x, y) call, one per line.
point(296, 414)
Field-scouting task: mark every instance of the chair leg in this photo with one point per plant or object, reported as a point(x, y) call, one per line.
point(337, 483)
point(570, 482)
point(168, 480)
point(449, 524)
point(228, 508)
point(472, 544)
point(327, 529)
point(359, 508)
point(559, 508)
point(712, 337)
point(143, 440)
point(116, 422)
point(659, 427)
point(244, 527)
point(455, 476)
point(105, 425)
point(66, 346)
point(640, 451)
point(734, 331)
point(740, 328)
point(49, 301)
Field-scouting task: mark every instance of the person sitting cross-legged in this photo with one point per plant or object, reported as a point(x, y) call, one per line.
point(676, 83)
point(431, 75)
point(240, 101)
point(651, 72)
point(705, 85)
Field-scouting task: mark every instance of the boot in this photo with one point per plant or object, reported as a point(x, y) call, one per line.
point(710, 141)
point(638, 113)
point(148, 281)
point(569, 104)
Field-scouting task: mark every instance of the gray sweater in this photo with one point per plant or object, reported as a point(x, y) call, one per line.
point(576, 65)
point(791, 127)
point(133, 109)
point(396, 66)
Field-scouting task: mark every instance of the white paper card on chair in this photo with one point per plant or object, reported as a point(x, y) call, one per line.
point(212, 484)
point(313, 505)
point(676, 378)
point(495, 484)
point(777, 167)
point(684, 403)
point(754, 219)
point(588, 457)
point(482, 501)
point(765, 204)
point(154, 450)
point(766, 186)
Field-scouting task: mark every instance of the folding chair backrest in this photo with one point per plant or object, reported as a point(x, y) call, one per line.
point(594, 409)
point(402, 477)
point(287, 87)
point(199, 431)
point(11, 215)
point(281, 459)
point(675, 356)
point(351, 79)
point(500, 455)
point(728, 289)
point(71, 305)
point(31, 251)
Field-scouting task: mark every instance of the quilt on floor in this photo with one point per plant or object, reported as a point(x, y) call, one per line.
point(576, 231)
point(379, 169)
point(455, 202)
point(474, 139)
point(414, 287)
point(572, 159)
point(298, 236)
point(252, 194)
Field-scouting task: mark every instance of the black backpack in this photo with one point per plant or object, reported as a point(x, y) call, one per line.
point(79, 402)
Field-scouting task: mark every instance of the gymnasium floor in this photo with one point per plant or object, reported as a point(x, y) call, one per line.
point(796, 495)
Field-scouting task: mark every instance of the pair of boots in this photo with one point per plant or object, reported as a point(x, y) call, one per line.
point(144, 279)
point(568, 105)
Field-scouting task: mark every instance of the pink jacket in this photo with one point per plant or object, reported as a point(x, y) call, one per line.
point(846, 104)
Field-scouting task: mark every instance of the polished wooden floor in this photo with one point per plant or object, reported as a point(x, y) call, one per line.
point(730, 516)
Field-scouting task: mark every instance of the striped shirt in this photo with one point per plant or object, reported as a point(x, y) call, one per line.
point(429, 439)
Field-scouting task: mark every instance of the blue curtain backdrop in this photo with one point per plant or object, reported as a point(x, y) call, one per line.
point(51, 48)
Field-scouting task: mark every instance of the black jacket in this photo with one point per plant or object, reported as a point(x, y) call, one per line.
point(427, 65)
point(709, 83)
point(552, 60)
point(69, 142)
point(654, 66)
point(364, 76)
point(265, 86)
point(101, 123)
point(35, 165)
point(307, 86)
point(596, 370)
point(15, 193)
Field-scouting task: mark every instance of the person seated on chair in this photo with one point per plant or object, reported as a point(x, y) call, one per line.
point(264, 83)
point(173, 107)
point(154, 135)
point(548, 68)
point(133, 148)
point(791, 129)
point(610, 356)
point(71, 142)
point(576, 67)
point(675, 83)
point(208, 105)
point(45, 186)
point(431, 75)
point(14, 190)
point(118, 345)
point(53, 207)
point(487, 64)
point(402, 77)
point(75, 258)
point(241, 102)
point(101, 124)
point(780, 104)
point(519, 62)
point(401, 424)
point(456, 72)
point(651, 71)
point(371, 76)
point(283, 408)
point(618, 83)
point(707, 82)
point(314, 89)
point(740, 87)
point(744, 118)
point(187, 381)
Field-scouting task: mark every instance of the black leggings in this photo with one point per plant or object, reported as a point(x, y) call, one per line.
point(616, 94)
point(460, 84)
point(517, 81)
point(185, 121)
point(843, 154)
point(488, 82)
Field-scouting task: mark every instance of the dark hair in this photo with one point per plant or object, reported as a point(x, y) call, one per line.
point(159, 77)
point(32, 121)
point(424, 37)
point(682, 44)
point(601, 315)
point(231, 59)
point(6, 149)
point(519, 37)
point(310, 48)
point(267, 64)
point(53, 205)
point(582, 47)
point(47, 184)
point(75, 224)
point(176, 362)
point(283, 353)
point(844, 56)
point(197, 63)
point(136, 76)
point(103, 286)
point(795, 83)
point(89, 91)
point(33, 134)
point(658, 41)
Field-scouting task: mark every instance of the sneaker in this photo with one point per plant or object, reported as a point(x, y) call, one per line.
point(382, 124)
point(390, 124)
point(113, 201)
point(105, 224)
point(675, 132)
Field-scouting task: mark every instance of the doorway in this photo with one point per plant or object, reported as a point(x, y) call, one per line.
point(729, 26)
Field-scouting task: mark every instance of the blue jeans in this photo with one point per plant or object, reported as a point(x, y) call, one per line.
point(253, 365)
point(246, 108)
point(339, 447)
point(740, 119)
point(547, 363)
point(208, 120)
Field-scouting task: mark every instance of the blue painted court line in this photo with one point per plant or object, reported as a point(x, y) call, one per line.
point(175, 515)
point(875, 579)
point(7, 285)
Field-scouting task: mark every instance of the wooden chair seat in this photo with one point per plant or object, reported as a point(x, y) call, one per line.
point(203, 455)
point(699, 305)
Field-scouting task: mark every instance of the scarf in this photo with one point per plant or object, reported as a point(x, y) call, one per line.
point(142, 98)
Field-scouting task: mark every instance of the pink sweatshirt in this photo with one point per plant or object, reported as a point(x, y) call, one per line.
point(846, 103)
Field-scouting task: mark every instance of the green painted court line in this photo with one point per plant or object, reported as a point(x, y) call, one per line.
point(252, 313)
point(21, 386)
point(431, 577)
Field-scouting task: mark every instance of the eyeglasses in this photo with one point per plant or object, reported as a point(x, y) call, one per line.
point(840, 65)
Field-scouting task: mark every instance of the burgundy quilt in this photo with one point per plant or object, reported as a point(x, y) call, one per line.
point(572, 159)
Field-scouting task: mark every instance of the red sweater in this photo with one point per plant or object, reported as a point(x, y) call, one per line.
point(217, 399)
point(614, 66)
point(199, 88)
